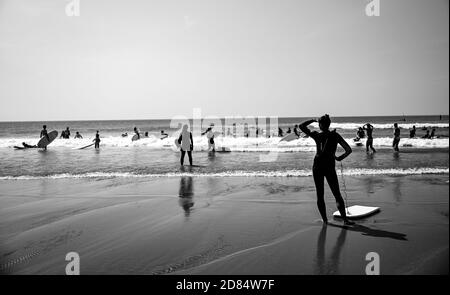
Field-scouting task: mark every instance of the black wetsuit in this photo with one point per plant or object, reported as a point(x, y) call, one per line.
point(97, 141)
point(369, 142)
point(324, 167)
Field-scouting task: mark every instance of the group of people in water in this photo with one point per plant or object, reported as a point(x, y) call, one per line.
point(323, 164)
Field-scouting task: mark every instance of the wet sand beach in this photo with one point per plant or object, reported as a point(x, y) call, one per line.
point(221, 225)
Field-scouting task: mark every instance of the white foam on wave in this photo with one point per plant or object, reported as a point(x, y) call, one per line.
point(354, 126)
point(238, 173)
point(240, 144)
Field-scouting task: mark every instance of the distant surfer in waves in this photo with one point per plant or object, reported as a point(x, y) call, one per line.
point(396, 140)
point(280, 132)
point(369, 143)
point(296, 131)
point(187, 144)
point(433, 133)
point(28, 146)
point(427, 135)
point(164, 135)
point(324, 163)
point(65, 133)
point(136, 131)
point(78, 135)
point(210, 136)
point(97, 140)
point(412, 132)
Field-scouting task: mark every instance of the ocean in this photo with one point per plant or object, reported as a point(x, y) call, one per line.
point(263, 156)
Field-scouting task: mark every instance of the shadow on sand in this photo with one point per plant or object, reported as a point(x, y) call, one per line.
point(367, 231)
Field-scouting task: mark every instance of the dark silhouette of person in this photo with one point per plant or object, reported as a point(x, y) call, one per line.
point(296, 131)
point(412, 132)
point(360, 133)
point(65, 133)
point(433, 131)
point(137, 132)
point(97, 140)
point(369, 143)
point(44, 133)
point(396, 140)
point(163, 134)
point(427, 135)
point(187, 144)
point(280, 132)
point(324, 163)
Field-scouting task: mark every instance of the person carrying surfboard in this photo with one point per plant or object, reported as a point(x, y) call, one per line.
point(44, 133)
point(324, 163)
point(137, 133)
point(210, 136)
point(187, 144)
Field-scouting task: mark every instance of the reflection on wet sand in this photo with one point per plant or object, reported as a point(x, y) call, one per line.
point(367, 231)
point(185, 194)
point(330, 266)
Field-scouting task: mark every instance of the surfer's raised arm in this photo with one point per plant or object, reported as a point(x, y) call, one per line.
point(347, 148)
point(304, 126)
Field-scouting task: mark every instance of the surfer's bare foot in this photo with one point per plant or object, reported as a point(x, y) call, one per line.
point(348, 222)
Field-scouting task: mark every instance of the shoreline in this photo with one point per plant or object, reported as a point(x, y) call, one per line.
point(220, 226)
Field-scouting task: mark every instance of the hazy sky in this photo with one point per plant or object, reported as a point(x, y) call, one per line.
point(149, 59)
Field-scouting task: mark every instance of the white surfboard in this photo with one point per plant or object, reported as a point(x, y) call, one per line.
point(356, 211)
point(289, 137)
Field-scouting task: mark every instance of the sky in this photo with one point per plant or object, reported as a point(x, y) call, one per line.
point(145, 59)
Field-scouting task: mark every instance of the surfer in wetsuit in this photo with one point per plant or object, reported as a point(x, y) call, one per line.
point(28, 146)
point(324, 163)
point(44, 133)
point(396, 140)
point(65, 133)
point(369, 143)
point(137, 132)
point(187, 144)
point(427, 135)
point(211, 143)
point(163, 134)
point(97, 140)
point(296, 131)
point(280, 132)
point(412, 132)
point(433, 131)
